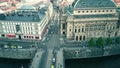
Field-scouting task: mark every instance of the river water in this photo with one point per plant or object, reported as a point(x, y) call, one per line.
point(14, 63)
point(99, 62)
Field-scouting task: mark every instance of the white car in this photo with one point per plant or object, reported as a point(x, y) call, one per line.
point(53, 60)
point(5, 46)
point(19, 47)
point(43, 44)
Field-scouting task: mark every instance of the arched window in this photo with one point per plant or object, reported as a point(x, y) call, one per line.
point(76, 38)
point(80, 38)
point(82, 29)
point(83, 37)
point(79, 30)
point(75, 30)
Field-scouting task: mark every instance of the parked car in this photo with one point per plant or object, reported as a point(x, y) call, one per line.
point(19, 47)
point(43, 44)
point(6, 46)
point(13, 47)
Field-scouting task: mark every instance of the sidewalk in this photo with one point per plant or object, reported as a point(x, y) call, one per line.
point(49, 59)
point(37, 59)
point(60, 59)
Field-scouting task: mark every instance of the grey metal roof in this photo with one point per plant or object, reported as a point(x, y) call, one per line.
point(23, 16)
point(24, 7)
point(95, 16)
point(27, 13)
point(40, 4)
point(93, 3)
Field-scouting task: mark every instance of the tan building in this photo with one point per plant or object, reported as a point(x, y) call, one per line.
point(91, 19)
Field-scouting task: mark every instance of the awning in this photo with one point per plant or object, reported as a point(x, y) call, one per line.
point(11, 35)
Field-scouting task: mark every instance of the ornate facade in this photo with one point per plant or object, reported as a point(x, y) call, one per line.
point(91, 19)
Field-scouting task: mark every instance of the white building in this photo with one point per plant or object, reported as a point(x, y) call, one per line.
point(27, 22)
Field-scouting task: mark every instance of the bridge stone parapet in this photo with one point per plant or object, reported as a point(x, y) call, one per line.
point(89, 52)
point(18, 53)
point(78, 52)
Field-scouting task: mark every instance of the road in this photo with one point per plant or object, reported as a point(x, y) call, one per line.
point(52, 44)
point(24, 44)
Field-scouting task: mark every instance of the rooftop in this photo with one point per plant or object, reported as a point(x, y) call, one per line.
point(23, 16)
point(93, 3)
point(27, 13)
point(24, 7)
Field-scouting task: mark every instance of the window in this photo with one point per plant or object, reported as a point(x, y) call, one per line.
point(83, 37)
point(110, 10)
point(106, 10)
point(63, 33)
point(75, 30)
point(36, 32)
point(82, 29)
point(36, 37)
point(69, 29)
point(17, 28)
point(87, 11)
point(27, 36)
point(76, 38)
point(24, 36)
point(78, 11)
point(80, 38)
point(63, 26)
point(82, 11)
point(78, 30)
point(3, 35)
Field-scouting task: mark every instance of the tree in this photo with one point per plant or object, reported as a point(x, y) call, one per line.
point(108, 41)
point(9, 44)
point(13, 5)
point(91, 42)
point(117, 40)
point(100, 42)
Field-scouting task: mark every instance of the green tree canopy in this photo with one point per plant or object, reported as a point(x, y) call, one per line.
point(100, 42)
point(117, 40)
point(108, 41)
point(91, 42)
point(13, 5)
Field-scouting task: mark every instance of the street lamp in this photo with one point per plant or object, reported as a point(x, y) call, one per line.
point(77, 53)
point(35, 44)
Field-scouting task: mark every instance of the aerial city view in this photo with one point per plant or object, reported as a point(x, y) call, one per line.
point(59, 33)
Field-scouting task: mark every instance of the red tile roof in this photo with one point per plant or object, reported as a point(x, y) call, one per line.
point(117, 2)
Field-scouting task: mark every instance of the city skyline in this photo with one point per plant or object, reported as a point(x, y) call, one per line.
point(49, 33)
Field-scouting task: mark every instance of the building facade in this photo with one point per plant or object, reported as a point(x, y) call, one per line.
point(27, 22)
point(91, 19)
